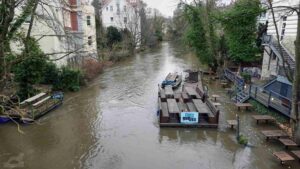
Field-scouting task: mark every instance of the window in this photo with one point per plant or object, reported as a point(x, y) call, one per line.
point(107, 8)
point(125, 8)
point(90, 40)
point(111, 8)
point(118, 8)
point(125, 19)
point(284, 18)
point(111, 19)
point(88, 20)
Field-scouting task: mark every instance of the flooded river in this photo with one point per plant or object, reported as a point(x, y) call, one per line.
point(112, 124)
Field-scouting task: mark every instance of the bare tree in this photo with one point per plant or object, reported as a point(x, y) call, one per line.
point(292, 74)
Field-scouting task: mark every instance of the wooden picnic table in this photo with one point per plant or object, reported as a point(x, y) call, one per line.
point(296, 153)
point(224, 84)
point(216, 104)
point(246, 105)
point(169, 92)
point(191, 91)
point(287, 142)
point(274, 134)
point(265, 118)
point(232, 123)
point(200, 106)
point(173, 106)
point(283, 156)
point(215, 96)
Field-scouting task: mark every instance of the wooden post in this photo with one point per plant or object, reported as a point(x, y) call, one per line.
point(255, 92)
point(238, 127)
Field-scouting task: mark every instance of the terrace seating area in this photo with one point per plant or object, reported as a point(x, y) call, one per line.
point(190, 99)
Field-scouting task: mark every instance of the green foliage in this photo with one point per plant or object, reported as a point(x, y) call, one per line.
point(68, 79)
point(261, 109)
point(30, 71)
point(243, 140)
point(246, 76)
point(196, 33)
point(50, 74)
point(240, 28)
point(113, 36)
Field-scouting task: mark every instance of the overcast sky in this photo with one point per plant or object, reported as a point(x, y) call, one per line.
point(166, 7)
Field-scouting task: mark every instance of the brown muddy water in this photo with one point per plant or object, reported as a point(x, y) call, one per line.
point(112, 124)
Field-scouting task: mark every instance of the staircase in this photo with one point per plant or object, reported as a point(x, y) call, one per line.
point(241, 95)
point(286, 56)
point(273, 44)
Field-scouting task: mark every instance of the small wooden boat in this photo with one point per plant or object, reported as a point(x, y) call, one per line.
point(34, 107)
point(173, 79)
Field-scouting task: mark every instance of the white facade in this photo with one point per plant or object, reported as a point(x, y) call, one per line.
point(123, 14)
point(60, 30)
point(287, 28)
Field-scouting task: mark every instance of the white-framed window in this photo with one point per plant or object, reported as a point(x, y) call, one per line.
point(107, 8)
point(125, 19)
point(111, 8)
point(125, 8)
point(88, 20)
point(111, 19)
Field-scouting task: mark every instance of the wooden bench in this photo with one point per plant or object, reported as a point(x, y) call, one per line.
point(265, 118)
point(177, 96)
point(287, 142)
point(297, 154)
point(33, 99)
point(216, 104)
point(283, 156)
point(232, 123)
point(202, 95)
point(163, 95)
point(274, 134)
point(164, 113)
point(191, 107)
point(185, 97)
point(201, 107)
point(169, 92)
point(215, 96)
point(213, 117)
point(224, 84)
point(41, 102)
point(245, 105)
point(182, 107)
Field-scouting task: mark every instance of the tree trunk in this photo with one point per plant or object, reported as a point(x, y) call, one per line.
point(99, 28)
point(296, 87)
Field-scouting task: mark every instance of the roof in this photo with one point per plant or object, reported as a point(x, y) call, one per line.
point(283, 79)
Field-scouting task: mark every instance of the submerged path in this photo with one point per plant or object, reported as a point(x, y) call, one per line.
point(111, 124)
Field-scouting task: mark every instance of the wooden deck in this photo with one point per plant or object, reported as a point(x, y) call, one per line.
point(274, 134)
point(172, 105)
point(283, 156)
point(270, 100)
point(265, 118)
